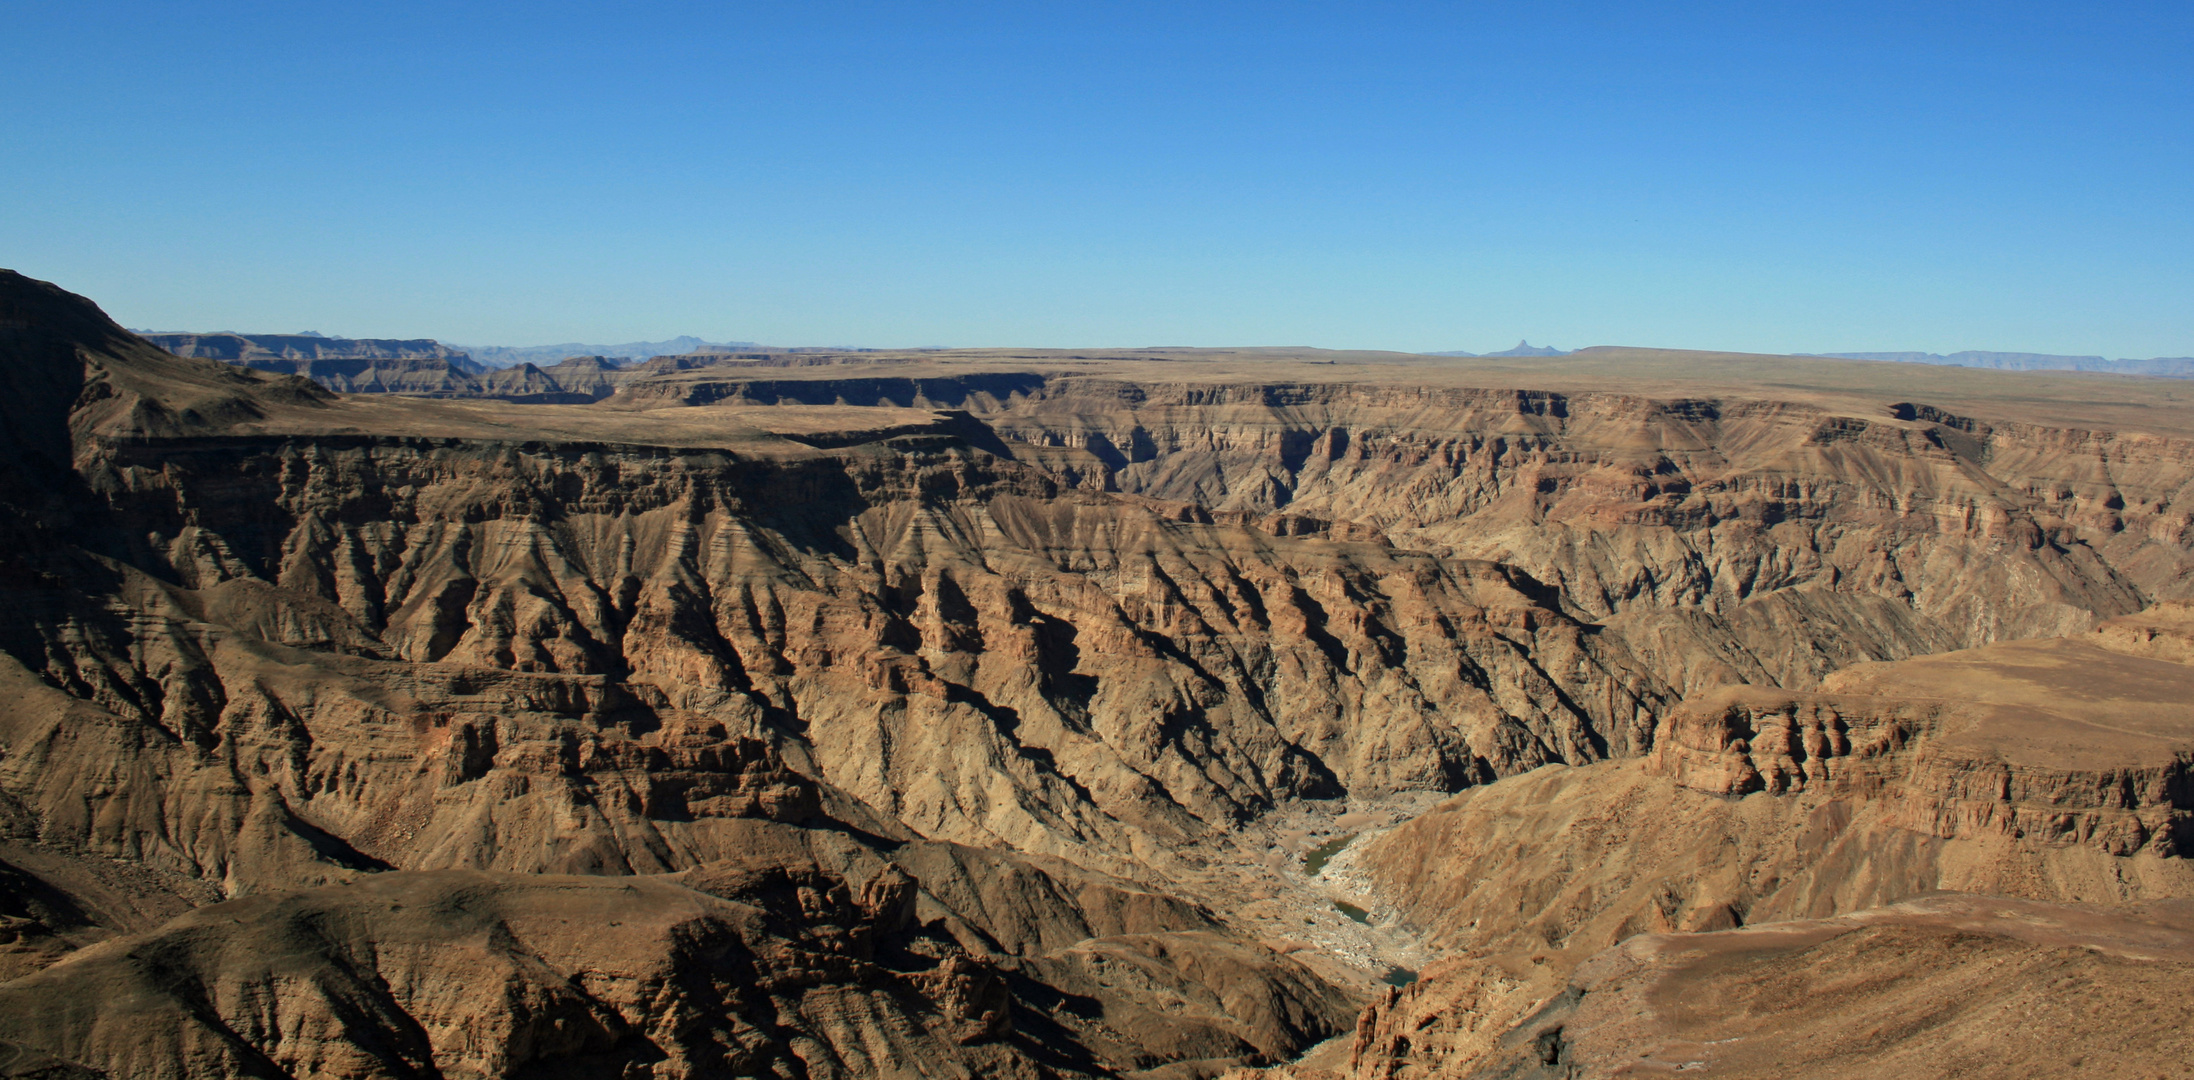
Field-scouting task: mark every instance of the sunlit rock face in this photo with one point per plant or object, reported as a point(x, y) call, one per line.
point(834, 715)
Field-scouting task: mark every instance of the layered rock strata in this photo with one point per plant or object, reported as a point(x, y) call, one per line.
point(1031, 646)
point(945, 637)
point(1730, 540)
point(246, 662)
point(2050, 770)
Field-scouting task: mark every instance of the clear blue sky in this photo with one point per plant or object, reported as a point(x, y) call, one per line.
point(1770, 176)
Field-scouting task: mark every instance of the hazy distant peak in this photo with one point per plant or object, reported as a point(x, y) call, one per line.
point(1525, 348)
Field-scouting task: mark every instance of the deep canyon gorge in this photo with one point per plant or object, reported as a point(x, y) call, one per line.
point(1048, 713)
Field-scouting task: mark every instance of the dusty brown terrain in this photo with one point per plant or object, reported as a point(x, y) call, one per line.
point(1953, 985)
point(2051, 770)
point(806, 954)
point(996, 713)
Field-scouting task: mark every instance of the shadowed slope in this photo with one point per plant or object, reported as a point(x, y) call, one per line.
point(805, 955)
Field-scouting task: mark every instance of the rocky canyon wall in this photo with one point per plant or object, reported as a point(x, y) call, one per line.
point(822, 722)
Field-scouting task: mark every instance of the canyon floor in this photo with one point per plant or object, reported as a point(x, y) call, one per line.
point(1049, 713)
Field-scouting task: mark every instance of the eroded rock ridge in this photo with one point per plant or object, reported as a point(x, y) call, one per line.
point(895, 715)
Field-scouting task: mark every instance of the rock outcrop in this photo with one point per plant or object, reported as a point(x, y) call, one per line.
point(955, 639)
point(902, 714)
point(1730, 541)
point(2050, 770)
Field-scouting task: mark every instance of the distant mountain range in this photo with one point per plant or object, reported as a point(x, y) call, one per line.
point(503, 356)
point(2181, 366)
point(286, 351)
point(1523, 348)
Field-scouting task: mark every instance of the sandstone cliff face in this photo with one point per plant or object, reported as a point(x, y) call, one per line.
point(594, 376)
point(2096, 755)
point(1731, 541)
point(947, 637)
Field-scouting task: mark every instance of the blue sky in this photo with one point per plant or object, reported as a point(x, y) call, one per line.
point(1772, 177)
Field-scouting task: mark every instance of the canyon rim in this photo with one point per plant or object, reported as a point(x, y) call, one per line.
point(1079, 713)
